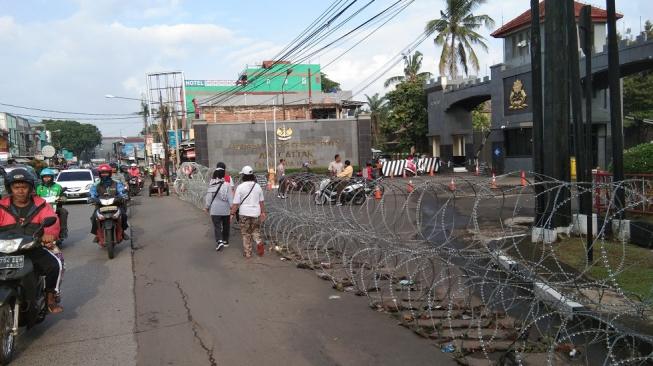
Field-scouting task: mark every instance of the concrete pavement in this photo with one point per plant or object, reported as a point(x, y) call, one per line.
point(198, 307)
point(97, 325)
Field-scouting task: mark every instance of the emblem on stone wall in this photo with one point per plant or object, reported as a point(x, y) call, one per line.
point(517, 96)
point(284, 133)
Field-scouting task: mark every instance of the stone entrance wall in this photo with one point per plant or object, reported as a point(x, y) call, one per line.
point(298, 141)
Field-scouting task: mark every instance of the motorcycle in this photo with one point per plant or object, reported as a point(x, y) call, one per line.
point(22, 291)
point(109, 227)
point(355, 192)
point(135, 185)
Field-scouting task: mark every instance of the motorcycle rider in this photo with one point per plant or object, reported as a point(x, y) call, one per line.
point(48, 188)
point(107, 183)
point(117, 176)
point(343, 180)
point(134, 171)
point(23, 212)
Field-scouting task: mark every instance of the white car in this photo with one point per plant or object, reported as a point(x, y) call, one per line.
point(77, 183)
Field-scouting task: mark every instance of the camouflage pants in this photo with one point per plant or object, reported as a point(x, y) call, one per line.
point(250, 228)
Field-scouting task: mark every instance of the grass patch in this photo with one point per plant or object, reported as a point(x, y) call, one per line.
point(633, 264)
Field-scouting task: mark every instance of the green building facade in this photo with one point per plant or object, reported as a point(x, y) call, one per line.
point(261, 79)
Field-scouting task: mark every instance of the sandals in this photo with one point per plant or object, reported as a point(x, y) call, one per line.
point(53, 306)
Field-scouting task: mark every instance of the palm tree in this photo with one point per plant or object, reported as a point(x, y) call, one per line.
point(412, 65)
point(456, 32)
point(377, 109)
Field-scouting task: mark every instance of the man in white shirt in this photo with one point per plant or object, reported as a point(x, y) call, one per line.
point(335, 167)
point(248, 204)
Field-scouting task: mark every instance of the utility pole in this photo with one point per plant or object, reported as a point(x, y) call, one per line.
point(164, 115)
point(616, 123)
point(146, 114)
point(536, 102)
point(587, 32)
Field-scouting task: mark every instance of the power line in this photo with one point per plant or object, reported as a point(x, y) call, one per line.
point(66, 112)
point(75, 118)
point(222, 97)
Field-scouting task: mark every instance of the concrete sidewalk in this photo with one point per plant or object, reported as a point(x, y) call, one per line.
point(197, 307)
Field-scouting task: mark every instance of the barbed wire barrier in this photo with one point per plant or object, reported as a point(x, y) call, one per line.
point(452, 258)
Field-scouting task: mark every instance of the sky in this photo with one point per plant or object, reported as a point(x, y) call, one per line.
point(66, 55)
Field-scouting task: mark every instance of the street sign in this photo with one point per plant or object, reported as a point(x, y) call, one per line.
point(48, 151)
point(157, 149)
point(172, 139)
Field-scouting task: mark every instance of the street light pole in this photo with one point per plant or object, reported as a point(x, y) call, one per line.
point(283, 93)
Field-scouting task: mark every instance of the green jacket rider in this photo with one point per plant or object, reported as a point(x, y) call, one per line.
point(49, 188)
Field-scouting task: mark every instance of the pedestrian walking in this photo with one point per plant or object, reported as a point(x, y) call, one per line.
point(248, 204)
point(218, 201)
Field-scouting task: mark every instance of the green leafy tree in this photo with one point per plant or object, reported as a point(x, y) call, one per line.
point(480, 118)
point(328, 85)
point(80, 138)
point(638, 92)
point(406, 123)
point(377, 108)
point(412, 67)
point(456, 31)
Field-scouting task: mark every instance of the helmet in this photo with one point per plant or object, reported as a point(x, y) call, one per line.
point(112, 165)
point(48, 171)
point(18, 175)
point(133, 165)
point(104, 168)
point(247, 170)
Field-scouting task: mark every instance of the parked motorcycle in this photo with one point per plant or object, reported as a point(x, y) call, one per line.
point(22, 291)
point(355, 192)
point(109, 227)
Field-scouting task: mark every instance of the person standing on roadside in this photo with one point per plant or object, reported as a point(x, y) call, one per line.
point(281, 177)
point(336, 167)
point(218, 201)
point(159, 175)
point(248, 204)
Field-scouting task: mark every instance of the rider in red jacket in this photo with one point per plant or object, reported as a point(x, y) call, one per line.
point(23, 212)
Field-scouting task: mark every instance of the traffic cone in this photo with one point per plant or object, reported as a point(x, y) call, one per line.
point(431, 173)
point(494, 181)
point(377, 193)
point(523, 179)
point(452, 185)
point(410, 187)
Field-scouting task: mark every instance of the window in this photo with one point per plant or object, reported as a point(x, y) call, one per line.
point(519, 141)
point(74, 176)
point(303, 81)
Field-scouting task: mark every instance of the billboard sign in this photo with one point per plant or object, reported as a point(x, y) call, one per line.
point(134, 150)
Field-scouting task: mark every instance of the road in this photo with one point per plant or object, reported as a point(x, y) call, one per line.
point(178, 302)
point(97, 325)
point(198, 307)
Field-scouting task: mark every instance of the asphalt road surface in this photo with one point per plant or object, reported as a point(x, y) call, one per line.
point(97, 326)
point(198, 307)
point(178, 302)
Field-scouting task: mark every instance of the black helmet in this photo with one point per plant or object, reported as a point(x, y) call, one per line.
point(113, 165)
point(18, 175)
